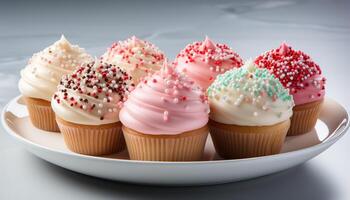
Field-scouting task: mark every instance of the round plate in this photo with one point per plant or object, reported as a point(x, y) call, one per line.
point(332, 124)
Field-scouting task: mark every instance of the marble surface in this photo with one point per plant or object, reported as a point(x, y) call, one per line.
point(319, 27)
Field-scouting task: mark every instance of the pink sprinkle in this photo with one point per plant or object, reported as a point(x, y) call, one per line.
point(165, 116)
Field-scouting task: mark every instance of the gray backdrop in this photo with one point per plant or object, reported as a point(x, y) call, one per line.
point(320, 28)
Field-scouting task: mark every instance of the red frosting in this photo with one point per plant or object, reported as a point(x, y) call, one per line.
point(296, 71)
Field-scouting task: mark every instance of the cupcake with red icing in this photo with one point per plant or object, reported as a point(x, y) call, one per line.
point(303, 77)
point(203, 61)
point(87, 105)
point(165, 118)
point(135, 56)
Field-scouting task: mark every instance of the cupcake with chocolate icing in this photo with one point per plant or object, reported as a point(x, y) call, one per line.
point(39, 79)
point(87, 105)
point(165, 118)
point(135, 56)
point(203, 61)
point(303, 77)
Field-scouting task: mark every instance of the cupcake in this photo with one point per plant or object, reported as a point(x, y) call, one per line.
point(87, 106)
point(250, 111)
point(39, 80)
point(165, 118)
point(203, 61)
point(302, 76)
point(135, 56)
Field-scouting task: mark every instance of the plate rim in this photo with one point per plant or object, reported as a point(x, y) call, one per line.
point(339, 132)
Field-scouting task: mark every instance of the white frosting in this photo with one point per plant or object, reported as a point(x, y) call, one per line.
point(39, 79)
point(135, 56)
point(249, 97)
point(81, 116)
point(92, 95)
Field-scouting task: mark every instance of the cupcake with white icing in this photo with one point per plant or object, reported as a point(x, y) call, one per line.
point(39, 79)
point(87, 106)
point(135, 56)
point(250, 111)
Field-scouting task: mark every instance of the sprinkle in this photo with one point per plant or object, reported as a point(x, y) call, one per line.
point(261, 88)
point(173, 87)
point(208, 50)
point(290, 66)
point(166, 116)
point(101, 82)
point(133, 51)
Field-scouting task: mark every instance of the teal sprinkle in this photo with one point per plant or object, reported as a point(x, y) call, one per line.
point(231, 78)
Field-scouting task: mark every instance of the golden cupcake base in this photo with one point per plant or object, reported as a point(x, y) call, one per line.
point(92, 140)
point(232, 141)
point(304, 117)
point(41, 114)
point(187, 146)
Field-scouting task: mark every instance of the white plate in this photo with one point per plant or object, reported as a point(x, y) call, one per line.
point(332, 124)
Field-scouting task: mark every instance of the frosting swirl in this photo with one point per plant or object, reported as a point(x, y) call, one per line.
point(249, 96)
point(93, 94)
point(296, 71)
point(165, 103)
point(39, 79)
point(135, 56)
point(203, 61)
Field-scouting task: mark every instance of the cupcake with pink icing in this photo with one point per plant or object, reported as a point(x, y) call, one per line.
point(135, 56)
point(203, 61)
point(165, 118)
point(303, 77)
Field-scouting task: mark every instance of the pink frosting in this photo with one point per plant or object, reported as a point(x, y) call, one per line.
point(165, 103)
point(203, 61)
point(312, 91)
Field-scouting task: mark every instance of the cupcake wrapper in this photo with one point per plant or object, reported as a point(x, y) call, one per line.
point(304, 118)
point(41, 114)
point(187, 146)
point(232, 141)
point(92, 140)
